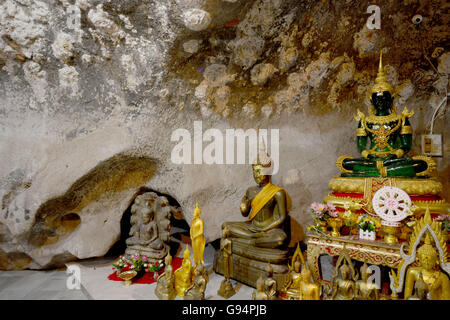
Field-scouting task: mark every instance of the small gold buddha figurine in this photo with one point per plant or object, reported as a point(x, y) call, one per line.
point(437, 282)
point(270, 285)
point(226, 289)
point(165, 287)
point(183, 276)
point(366, 290)
point(309, 290)
point(292, 287)
point(344, 288)
point(197, 236)
point(259, 293)
point(197, 290)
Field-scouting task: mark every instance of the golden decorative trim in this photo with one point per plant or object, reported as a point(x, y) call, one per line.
point(381, 168)
point(339, 163)
point(381, 83)
point(435, 206)
point(383, 119)
point(410, 186)
point(406, 130)
point(361, 132)
point(376, 252)
point(430, 162)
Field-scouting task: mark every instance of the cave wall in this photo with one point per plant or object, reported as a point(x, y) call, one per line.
point(89, 102)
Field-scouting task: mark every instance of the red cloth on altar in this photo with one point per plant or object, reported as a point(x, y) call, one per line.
point(148, 277)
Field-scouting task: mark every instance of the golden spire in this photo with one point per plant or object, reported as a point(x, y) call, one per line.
point(197, 210)
point(381, 83)
point(187, 253)
point(262, 158)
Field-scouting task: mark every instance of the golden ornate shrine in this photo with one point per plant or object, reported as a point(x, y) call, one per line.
point(372, 252)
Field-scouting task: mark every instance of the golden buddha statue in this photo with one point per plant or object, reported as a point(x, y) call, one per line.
point(266, 206)
point(197, 236)
point(226, 289)
point(165, 286)
point(259, 293)
point(292, 287)
point(183, 276)
point(263, 238)
point(308, 289)
point(197, 290)
point(438, 283)
point(366, 290)
point(296, 278)
point(433, 268)
point(345, 287)
point(270, 285)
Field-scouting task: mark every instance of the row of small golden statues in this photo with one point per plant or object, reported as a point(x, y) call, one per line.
point(188, 281)
point(428, 280)
point(255, 251)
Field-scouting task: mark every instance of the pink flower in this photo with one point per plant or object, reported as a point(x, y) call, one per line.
point(442, 217)
point(331, 207)
point(318, 209)
point(322, 207)
point(333, 214)
point(144, 258)
point(315, 206)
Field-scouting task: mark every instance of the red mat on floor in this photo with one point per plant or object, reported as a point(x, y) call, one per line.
point(148, 277)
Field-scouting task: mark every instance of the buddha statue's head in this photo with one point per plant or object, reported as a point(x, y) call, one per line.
point(168, 260)
point(365, 271)
point(260, 284)
point(306, 274)
point(197, 211)
point(225, 232)
point(297, 265)
point(146, 216)
point(200, 269)
point(262, 166)
point(345, 271)
point(269, 270)
point(382, 92)
point(427, 254)
point(186, 253)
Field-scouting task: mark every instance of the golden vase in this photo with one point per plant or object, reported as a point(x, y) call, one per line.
point(390, 234)
point(127, 276)
point(322, 225)
point(335, 224)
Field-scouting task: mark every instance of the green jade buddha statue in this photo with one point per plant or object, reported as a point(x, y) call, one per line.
point(390, 137)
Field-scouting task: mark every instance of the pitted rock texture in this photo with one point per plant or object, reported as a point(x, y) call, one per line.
point(92, 90)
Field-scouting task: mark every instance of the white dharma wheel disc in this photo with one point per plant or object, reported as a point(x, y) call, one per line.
point(391, 204)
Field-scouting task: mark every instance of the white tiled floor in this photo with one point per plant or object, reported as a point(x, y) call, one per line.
point(31, 285)
point(50, 285)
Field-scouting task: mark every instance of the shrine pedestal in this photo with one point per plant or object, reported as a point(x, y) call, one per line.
point(248, 271)
point(372, 252)
point(424, 192)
